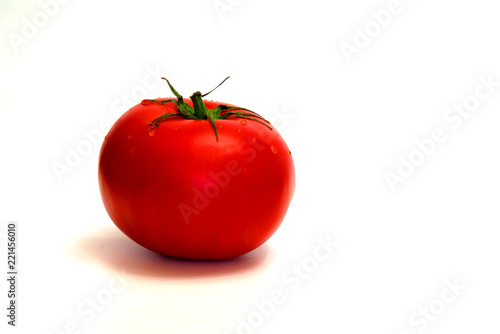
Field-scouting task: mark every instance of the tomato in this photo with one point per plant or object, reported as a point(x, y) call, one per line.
point(212, 187)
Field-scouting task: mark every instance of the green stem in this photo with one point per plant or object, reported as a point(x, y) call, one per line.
point(199, 110)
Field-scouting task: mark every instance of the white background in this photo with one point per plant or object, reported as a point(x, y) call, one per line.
point(348, 121)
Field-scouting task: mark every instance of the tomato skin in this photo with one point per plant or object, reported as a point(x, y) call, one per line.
point(178, 191)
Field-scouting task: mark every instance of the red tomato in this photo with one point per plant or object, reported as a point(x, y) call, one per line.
point(182, 190)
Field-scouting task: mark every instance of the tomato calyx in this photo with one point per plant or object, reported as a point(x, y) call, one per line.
point(199, 111)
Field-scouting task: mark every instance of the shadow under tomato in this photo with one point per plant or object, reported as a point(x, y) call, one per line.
point(111, 248)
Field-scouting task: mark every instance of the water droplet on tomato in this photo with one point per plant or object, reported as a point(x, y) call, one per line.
point(176, 128)
point(254, 140)
point(151, 133)
point(132, 150)
point(243, 122)
point(106, 138)
point(239, 130)
point(274, 150)
point(129, 136)
point(146, 102)
point(289, 153)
